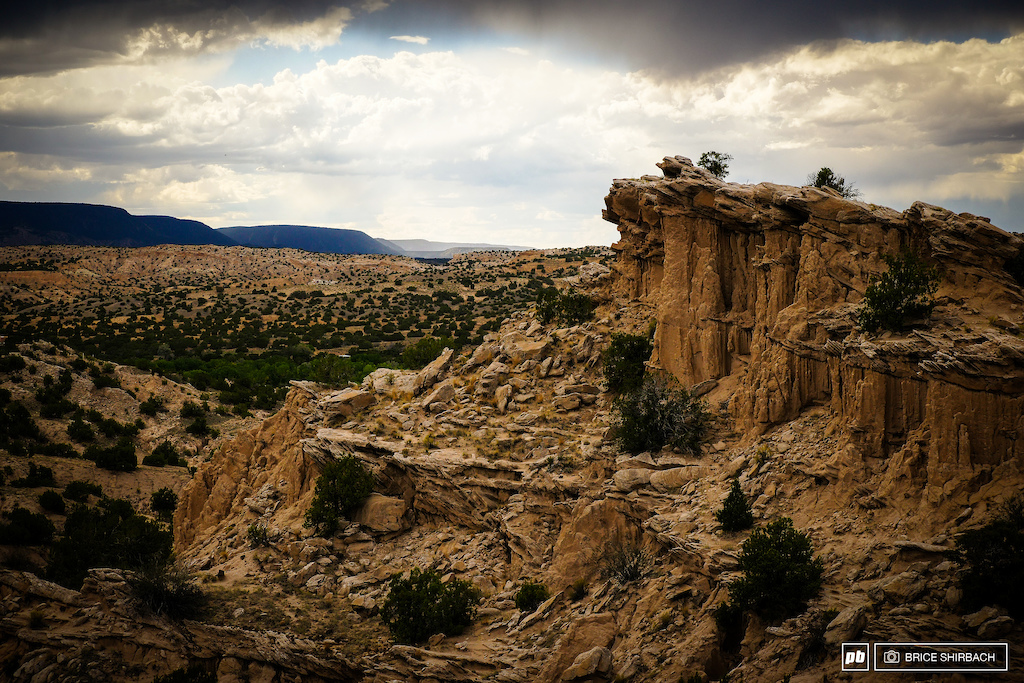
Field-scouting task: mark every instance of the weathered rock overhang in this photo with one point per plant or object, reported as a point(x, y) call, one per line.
point(761, 283)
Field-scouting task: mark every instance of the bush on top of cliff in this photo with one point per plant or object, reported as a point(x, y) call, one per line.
point(902, 294)
point(342, 486)
point(569, 307)
point(992, 560)
point(660, 413)
point(826, 177)
point(715, 162)
point(421, 605)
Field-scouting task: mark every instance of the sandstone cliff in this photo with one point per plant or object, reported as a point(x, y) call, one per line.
point(756, 287)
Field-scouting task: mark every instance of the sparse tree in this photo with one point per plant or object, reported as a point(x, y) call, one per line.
point(717, 163)
point(342, 487)
point(735, 514)
point(904, 293)
point(825, 177)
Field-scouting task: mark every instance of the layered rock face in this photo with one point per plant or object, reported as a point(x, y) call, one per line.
point(756, 287)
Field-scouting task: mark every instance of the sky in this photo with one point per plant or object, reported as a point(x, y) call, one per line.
point(501, 121)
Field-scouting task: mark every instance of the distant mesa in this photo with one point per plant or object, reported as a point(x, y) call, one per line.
point(308, 238)
point(429, 249)
point(23, 223)
point(94, 225)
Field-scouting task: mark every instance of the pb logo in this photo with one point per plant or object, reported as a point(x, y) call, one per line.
point(855, 657)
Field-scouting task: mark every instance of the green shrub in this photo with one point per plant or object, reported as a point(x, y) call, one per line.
point(715, 162)
point(257, 535)
point(199, 427)
point(163, 500)
point(118, 458)
point(901, 295)
point(420, 606)
point(825, 177)
point(735, 514)
point(166, 587)
point(424, 352)
point(105, 381)
point(111, 534)
point(342, 486)
point(79, 491)
point(26, 528)
point(51, 501)
point(79, 431)
point(657, 414)
point(530, 595)
point(569, 307)
point(625, 562)
point(57, 450)
point(780, 573)
point(154, 460)
point(11, 363)
point(16, 423)
point(547, 304)
point(191, 409)
point(576, 307)
point(165, 454)
point(624, 361)
point(992, 560)
point(152, 405)
point(37, 476)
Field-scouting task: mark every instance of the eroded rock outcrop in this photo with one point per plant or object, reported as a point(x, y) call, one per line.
point(757, 286)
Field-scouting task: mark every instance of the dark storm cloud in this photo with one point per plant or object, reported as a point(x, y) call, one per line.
point(37, 19)
point(43, 37)
point(686, 36)
point(665, 35)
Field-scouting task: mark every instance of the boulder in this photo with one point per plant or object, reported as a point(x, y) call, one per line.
point(671, 479)
point(501, 397)
point(428, 376)
point(594, 661)
point(382, 513)
point(442, 393)
point(631, 479)
point(847, 625)
point(997, 628)
point(346, 402)
point(567, 402)
point(483, 354)
point(582, 636)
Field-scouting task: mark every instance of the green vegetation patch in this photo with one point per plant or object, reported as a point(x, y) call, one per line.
point(660, 413)
point(342, 487)
point(421, 605)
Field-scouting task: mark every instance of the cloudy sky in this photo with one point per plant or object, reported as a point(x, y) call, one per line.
point(500, 120)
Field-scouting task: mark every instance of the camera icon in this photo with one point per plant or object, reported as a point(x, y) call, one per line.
point(891, 657)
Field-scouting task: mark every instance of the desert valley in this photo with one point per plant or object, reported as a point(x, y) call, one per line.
point(715, 450)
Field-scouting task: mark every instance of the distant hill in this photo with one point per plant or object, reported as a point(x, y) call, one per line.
point(308, 238)
point(97, 225)
point(429, 249)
